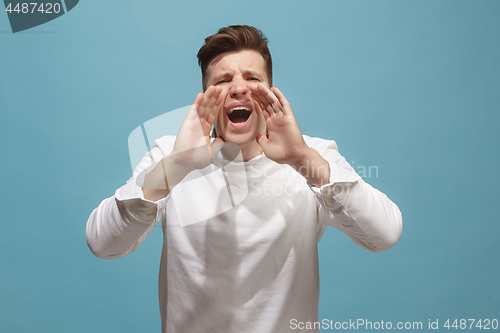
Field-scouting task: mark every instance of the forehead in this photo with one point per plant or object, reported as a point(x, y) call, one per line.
point(237, 62)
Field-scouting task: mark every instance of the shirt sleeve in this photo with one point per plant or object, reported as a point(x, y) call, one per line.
point(351, 205)
point(120, 223)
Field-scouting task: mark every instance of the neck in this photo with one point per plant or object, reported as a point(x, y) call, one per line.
point(250, 150)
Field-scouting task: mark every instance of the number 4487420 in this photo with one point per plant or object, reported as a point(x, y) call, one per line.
point(463, 324)
point(47, 8)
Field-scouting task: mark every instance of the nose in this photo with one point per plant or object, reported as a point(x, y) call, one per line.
point(238, 88)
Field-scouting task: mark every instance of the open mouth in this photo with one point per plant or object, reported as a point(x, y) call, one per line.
point(239, 114)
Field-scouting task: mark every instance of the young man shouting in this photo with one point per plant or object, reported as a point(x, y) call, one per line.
point(253, 267)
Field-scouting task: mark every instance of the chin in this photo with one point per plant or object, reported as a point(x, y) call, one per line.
point(240, 139)
point(241, 136)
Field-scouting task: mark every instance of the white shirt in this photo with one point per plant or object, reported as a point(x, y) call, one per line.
point(253, 268)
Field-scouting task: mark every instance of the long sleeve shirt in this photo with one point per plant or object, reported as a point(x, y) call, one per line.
point(253, 266)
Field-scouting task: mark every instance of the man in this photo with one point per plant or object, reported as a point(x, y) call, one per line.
point(252, 268)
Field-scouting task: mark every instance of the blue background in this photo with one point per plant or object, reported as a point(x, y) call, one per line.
point(409, 87)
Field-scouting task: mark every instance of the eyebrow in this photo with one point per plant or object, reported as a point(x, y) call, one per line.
point(228, 73)
point(252, 72)
point(221, 75)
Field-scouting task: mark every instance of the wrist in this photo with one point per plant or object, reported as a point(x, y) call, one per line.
point(313, 167)
point(301, 160)
point(173, 170)
point(163, 178)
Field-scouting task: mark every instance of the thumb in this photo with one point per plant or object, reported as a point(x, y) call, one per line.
point(215, 147)
point(262, 140)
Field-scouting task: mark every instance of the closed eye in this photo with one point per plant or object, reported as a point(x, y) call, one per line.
point(221, 81)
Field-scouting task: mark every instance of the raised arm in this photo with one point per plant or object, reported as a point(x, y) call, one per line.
point(120, 223)
point(348, 203)
point(351, 205)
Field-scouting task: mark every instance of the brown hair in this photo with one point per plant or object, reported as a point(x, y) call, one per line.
point(234, 38)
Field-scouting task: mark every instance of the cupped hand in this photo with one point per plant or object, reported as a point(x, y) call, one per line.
point(284, 142)
point(192, 149)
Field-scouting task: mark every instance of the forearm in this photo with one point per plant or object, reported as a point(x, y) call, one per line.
point(116, 228)
point(314, 168)
point(362, 212)
point(365, 214)
point(162, 179)
point(120, 223)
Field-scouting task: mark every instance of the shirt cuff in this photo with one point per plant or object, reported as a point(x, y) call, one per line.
point(131, 191)
point(340, 177)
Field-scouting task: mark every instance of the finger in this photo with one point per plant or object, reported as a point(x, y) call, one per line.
point(207, 102)
point(258, 100)
point(261, 111)
point(257, 94)
point(193, 111)
point(218, 105)
point(220, 97)
point(263, 101)
point(198, 99)
point(269, 102)
point(212, 99)
point(200, 103)
point(270, 97)
point(282, 99)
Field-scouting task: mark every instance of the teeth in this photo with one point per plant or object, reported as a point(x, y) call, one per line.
point(239, 108)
